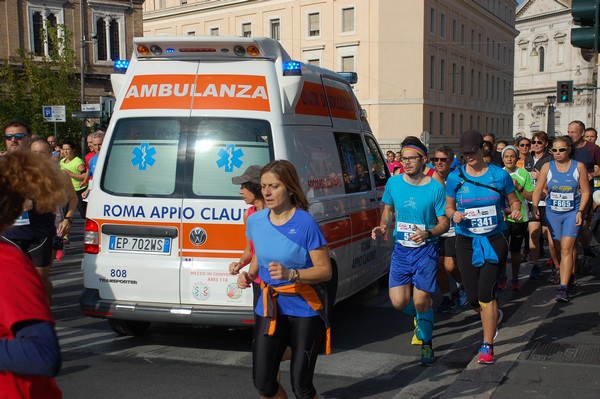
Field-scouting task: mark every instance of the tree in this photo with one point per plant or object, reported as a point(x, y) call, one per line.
point(28, 82)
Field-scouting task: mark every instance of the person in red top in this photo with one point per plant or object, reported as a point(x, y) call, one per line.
point(29, 351)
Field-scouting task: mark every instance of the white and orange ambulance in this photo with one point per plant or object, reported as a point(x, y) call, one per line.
point(164, 219)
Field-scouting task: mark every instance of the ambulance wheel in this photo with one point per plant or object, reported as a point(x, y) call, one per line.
point(128, 327)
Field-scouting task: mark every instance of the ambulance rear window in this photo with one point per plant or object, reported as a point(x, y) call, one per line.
point(142, 157)
point(221, 148)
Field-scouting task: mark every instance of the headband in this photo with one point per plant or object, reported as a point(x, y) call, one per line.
point(414, 148)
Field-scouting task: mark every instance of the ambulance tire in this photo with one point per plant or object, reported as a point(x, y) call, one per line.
point(128, 327)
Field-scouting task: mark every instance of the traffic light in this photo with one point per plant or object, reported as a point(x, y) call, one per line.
point(564, 91)
point(586, 14)
point(107, 104)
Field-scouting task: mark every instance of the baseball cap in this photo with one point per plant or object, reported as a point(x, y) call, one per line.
point(470, 141)
point(252, 175)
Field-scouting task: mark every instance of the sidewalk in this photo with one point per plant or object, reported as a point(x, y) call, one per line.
point(544, 349)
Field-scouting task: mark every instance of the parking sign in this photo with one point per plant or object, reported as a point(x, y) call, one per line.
point(54, 113)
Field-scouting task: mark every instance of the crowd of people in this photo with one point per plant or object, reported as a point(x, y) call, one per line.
point(453, 219)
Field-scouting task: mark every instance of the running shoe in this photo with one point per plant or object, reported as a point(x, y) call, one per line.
point(500, 317)
point(427, 357)
point(554, 276)
point(515, 285)
point(59, 254)
point(415, 340)
point(502, 281)
point(461, 299)
point(486, 354)
point(562, 295)
point(536, 272)
point(446, 305)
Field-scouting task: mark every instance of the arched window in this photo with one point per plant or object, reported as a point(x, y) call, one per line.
point(101, 40)
point(38, 28)
point(542, 54)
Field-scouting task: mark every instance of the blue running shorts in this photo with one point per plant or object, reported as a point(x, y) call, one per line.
point(417, 266)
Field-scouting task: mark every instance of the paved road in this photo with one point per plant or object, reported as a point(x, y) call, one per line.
point(372, 356)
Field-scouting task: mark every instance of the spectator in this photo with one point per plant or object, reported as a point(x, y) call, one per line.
point(74, 167)
point(29, 349)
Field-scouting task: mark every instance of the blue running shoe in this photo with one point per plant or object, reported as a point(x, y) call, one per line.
point(486, 354)
point(427, 357)
point(462, 300)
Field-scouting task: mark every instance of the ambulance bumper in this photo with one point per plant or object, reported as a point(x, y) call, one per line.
point(94, 306)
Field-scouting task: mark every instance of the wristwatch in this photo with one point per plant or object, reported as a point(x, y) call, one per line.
point(429, 234)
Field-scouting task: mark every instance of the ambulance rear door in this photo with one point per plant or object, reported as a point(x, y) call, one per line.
point(140, 207)
point(229, 131)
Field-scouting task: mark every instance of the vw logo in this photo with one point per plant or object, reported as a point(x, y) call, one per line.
point(198, 236)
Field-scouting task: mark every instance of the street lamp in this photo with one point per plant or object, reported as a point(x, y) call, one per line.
point(551, 100)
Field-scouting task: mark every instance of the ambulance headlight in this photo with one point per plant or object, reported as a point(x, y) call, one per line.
point(156, 50)
point(239, 50)
point(253, 51)
point(292, 68)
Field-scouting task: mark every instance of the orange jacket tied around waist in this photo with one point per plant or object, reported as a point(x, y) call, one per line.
point(307, 292)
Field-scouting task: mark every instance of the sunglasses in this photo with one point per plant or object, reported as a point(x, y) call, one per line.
point(434, 159)
point(561, 149)
point(524, 145)
point(16, 136)
point(537, 142)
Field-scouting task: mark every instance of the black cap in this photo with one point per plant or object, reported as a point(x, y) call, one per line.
point(252, 175)
point(470, 141)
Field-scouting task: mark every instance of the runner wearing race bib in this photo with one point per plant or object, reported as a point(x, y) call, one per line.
point(417, 201)
point(475, 197)
point(566, 182)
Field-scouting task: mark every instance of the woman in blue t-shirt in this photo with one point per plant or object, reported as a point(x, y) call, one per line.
point(566, 181)
point(291, 257)
point(476, 197)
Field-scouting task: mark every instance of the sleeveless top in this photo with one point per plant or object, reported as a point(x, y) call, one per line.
point(563, 188)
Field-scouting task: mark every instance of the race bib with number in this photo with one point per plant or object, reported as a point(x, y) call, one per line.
point(481, 220)
point(23, 220)
point(561, 202)
point(404, 231)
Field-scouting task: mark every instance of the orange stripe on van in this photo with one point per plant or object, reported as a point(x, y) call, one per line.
point(313, 100)
point(341, 103)
point(234, 92)
point(224, 237)
point(364, 221)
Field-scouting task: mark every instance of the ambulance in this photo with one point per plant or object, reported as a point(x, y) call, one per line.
point(164, 220)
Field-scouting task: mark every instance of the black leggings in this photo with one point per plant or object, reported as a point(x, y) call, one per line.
point(304, 335)
point(480, 283)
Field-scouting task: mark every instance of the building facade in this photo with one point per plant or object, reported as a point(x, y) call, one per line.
point(441, 66)
point(104, 35)
point(544, 55)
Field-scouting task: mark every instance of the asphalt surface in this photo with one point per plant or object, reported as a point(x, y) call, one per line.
point(544, 349)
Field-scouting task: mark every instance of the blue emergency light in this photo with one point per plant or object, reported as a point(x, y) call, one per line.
point(292, 68)
point(121, 65)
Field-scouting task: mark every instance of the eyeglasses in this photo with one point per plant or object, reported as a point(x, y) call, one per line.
point(410, 159)
point(434, 159)
point(561, 149)
point(537, 142)
point(524, 145)
point(16, 136)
